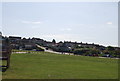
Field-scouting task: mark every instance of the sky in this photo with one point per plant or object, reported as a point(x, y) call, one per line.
point(91, 22)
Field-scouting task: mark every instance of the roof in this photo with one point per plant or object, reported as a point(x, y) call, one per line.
point(13, 37)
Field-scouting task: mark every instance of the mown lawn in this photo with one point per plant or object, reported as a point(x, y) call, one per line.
point(44, 65)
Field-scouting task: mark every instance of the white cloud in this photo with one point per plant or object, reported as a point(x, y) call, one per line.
point(32, 22)
point(37, 22)
point(26, 22)
point(109, 23)
point(65, 29)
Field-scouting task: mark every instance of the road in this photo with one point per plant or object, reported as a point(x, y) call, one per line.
point(51, 51)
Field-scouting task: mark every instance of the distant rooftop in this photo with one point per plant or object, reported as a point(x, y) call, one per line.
point(14, 37)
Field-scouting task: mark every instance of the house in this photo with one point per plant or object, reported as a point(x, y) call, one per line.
point(29, 46)
point(15, 41)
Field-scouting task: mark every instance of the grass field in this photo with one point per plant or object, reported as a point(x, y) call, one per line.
point(44, 65)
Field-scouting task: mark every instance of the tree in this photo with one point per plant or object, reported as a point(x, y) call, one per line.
point(110, 48)
point(60, 42)
point(80, 51)
point(53, 41)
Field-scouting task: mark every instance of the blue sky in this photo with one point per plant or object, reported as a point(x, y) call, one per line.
point(92, 22)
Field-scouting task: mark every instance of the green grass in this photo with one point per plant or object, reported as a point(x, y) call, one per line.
point(44, 65)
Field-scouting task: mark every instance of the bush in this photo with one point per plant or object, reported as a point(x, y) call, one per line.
point(87, 52)
point(80, 51)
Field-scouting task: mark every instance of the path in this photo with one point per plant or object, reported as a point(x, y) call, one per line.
point(51, 51)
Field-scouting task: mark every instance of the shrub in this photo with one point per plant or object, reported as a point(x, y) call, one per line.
point(80, 51)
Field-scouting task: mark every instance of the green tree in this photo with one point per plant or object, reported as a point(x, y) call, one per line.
point(110, 48)
point(53, 41)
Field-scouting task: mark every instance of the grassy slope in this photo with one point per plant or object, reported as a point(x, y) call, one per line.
point(54, 66)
